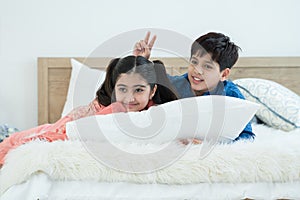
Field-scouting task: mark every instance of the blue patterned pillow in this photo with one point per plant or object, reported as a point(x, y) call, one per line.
point(280, 107)
point(6, 131)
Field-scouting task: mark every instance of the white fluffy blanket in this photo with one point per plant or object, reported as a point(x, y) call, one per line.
point(273, 157)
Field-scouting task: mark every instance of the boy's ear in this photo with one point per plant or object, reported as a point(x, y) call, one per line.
point(225, 74)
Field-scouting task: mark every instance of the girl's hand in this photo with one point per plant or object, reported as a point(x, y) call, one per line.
point(95, 106)
point(118, 107)
point(115, 107)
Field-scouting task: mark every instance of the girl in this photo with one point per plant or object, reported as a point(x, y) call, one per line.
point(131, 84)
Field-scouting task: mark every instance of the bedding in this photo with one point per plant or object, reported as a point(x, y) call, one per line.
point(280, 107)
point(207, 117)
point(267, 168)
point(84, 83)
point(240, 170)
point(42, 187)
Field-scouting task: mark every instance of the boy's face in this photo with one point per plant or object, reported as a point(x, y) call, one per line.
point(204, 73)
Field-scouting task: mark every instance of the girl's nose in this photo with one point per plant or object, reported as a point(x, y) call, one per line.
point(130, 98)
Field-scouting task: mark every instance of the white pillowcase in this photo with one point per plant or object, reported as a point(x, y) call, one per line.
point(84, 83)
point(218, 118)
point(280, 107)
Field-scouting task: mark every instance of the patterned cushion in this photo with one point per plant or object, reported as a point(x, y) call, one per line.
point(280, 107)
point(6, 131)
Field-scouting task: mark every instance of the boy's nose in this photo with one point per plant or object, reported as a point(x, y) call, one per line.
point(199, 70)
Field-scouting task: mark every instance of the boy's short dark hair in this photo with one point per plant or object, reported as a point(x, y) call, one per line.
point(219, 46)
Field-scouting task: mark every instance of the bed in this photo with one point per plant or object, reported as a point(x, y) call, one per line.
point(54, 75)
point(268, 168)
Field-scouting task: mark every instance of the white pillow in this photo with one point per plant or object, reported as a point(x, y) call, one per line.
point(84, 83)
point(218, 118)
point(280, 107)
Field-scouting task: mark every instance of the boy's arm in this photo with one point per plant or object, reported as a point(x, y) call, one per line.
point(246, 133)
point(233, 91)
point(144, 47)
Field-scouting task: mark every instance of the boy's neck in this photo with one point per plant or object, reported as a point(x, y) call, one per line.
point(199, 93)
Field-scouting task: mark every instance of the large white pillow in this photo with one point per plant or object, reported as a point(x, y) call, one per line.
point(218, 118)
point(111, 138)
point(280, 107)
point(84, 83)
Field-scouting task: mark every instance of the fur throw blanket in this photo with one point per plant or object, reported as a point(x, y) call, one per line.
point(273, 157)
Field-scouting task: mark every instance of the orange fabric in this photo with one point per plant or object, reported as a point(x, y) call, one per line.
point(48, 132)
point(150, 103)
point(57, 131)
point(112, 108)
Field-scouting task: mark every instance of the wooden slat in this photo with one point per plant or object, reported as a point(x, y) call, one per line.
point(268, 62)
point(286, 76)
point(43, 91)
point(57, 91)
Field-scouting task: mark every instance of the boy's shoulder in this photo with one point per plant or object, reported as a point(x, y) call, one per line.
point(182, 85)
point(179, 80)
point(178, 77)
point(232, 89)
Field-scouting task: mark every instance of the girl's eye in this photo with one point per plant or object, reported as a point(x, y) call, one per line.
point(138, 90)
point(124, 90)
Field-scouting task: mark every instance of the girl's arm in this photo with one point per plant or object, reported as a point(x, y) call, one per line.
point(115, 107)
point(85, 111)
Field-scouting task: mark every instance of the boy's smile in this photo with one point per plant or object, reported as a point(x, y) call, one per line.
point(197, 80)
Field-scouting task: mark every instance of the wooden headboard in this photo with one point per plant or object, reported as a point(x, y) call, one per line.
point(54, 75)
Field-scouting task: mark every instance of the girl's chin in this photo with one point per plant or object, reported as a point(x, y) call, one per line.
point(132, 109)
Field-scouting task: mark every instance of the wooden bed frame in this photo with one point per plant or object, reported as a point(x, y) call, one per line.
point(54, 75)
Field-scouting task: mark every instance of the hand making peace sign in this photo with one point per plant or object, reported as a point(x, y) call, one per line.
point(143, 47)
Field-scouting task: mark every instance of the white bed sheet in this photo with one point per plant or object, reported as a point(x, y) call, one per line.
point(41, 187)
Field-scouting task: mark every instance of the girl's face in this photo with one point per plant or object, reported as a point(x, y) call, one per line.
point(133, 91)
point(204, 74)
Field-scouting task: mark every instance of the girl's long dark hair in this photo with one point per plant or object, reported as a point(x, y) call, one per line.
point(106, 89)
point(153, 72)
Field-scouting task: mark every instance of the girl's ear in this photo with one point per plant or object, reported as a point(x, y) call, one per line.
point(225, 74)
point(153, 92)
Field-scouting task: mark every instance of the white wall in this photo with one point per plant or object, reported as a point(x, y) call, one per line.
point(36, 28)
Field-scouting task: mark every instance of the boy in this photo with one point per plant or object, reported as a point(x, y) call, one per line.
point(212, 57)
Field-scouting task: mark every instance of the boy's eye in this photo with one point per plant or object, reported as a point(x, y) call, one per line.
point(208, 67)
point(194, 62)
